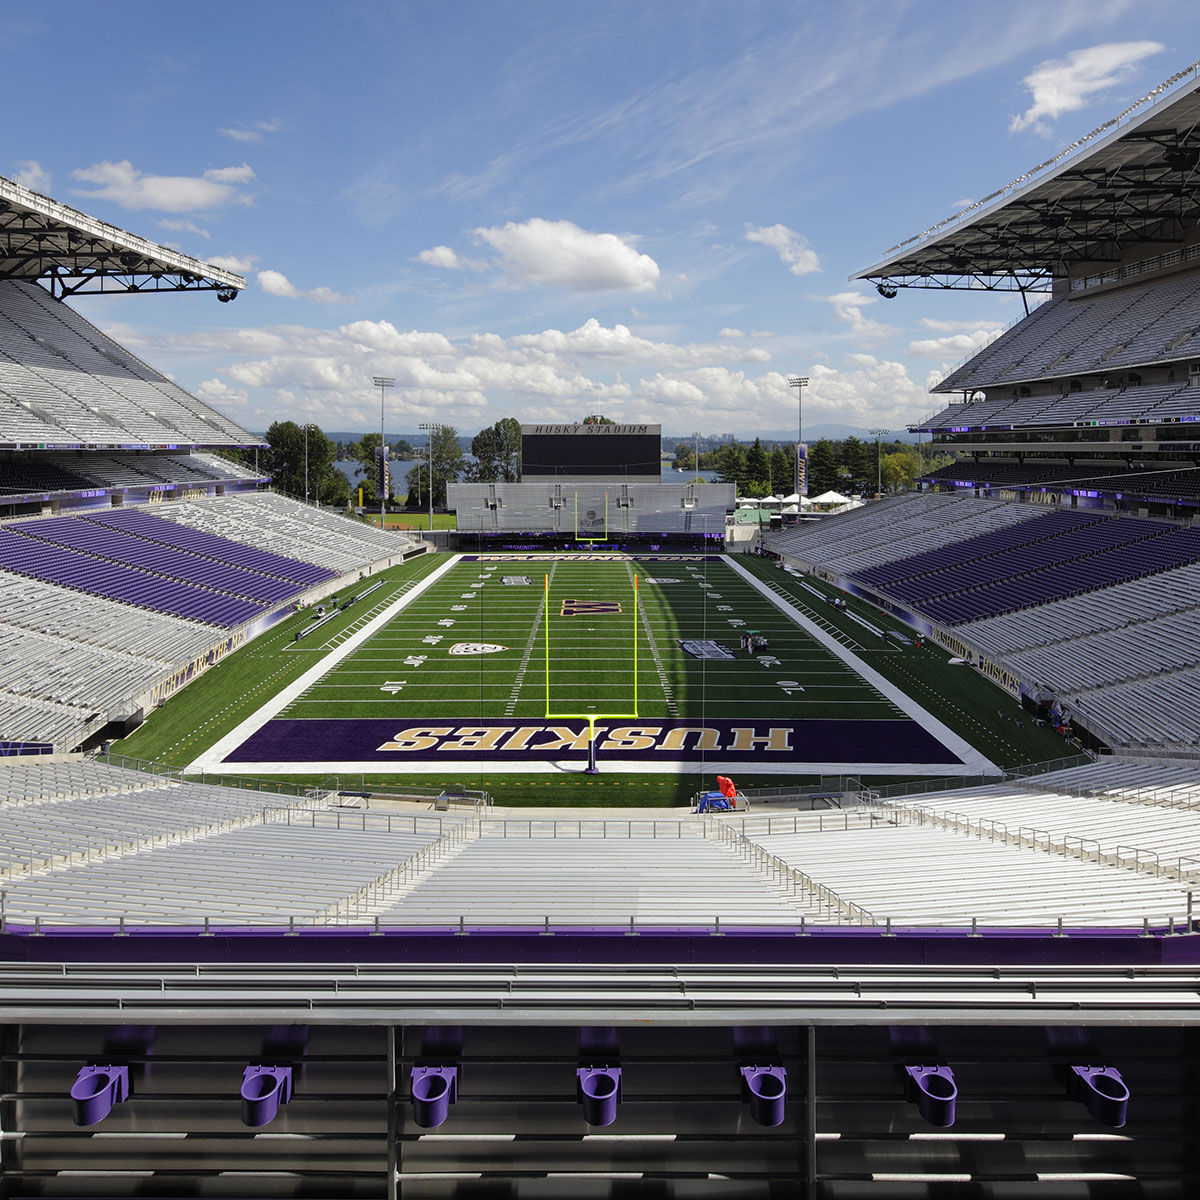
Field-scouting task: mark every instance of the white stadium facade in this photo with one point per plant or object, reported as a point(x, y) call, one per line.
point(987, 991)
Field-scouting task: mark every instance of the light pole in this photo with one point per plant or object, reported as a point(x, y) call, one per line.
point(799, 382)
point(382, 382)
point(305, 464)
point(878, 433)
point(427, 427)
point(696, 435)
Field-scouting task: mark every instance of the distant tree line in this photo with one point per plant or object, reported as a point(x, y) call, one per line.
point(754, 468)
point(846, 466)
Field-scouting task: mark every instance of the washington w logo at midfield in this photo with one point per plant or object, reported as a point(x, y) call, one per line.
point(589, 608)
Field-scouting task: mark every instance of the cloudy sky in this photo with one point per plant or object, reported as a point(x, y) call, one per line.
point(545, 209)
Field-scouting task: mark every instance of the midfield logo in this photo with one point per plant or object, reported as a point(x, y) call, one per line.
point(589, 608)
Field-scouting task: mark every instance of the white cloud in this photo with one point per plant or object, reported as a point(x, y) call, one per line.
point(183, 226)
point(130, 188)
point(275, 283)
point(242, 174)
point(1063, 85)
point(792, 248)
point(239, 264)
point(562, 254)
point(953, 344)
point(847, 308)
point(441, 256)
point(731, 333)
point(219, 394)
point(251, 133)
point(30, 174)
point(449, 260)
point(761, 333)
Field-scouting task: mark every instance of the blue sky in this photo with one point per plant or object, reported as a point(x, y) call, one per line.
point(546, 209)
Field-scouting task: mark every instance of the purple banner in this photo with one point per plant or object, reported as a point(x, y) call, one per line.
point(20, 749)
point(397, 742)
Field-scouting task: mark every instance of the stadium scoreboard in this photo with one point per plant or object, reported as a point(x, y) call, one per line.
point(591, 451)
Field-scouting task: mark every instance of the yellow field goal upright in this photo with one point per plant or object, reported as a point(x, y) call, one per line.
point(590, 717)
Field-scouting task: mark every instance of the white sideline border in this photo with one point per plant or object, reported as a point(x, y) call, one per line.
point(977, 763)
point(214, 756)
point(973, 762)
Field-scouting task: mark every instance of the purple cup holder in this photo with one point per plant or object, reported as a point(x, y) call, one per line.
point(765, 1088)
point(1103, 1093)
point(433, 1090)
point(263, 1090)
point(935, 1093)
point(599, 1091)
point(95, 1090)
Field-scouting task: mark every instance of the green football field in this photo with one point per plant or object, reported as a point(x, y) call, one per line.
point(449, 644)
point(587, 617)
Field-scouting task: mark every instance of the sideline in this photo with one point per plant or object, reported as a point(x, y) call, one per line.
point(973, 762)
point(213, 758)
point(976, 762)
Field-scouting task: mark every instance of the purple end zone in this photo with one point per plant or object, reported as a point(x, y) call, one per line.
point(396, 741)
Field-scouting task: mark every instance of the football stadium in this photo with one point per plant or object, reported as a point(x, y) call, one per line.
point(583, 851)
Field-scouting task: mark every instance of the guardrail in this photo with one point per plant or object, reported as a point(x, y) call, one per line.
point(782, 873)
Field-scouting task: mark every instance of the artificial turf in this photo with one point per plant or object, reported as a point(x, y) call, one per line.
point(590, 668)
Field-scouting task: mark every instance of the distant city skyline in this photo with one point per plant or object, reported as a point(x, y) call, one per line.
point(543, 210)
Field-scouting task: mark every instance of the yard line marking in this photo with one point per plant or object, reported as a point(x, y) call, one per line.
point(235, 737)
point(663, 679)
point(973, 758)
point(529, 645)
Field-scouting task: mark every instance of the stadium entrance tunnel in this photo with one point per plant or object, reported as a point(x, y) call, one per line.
point(716, 1110)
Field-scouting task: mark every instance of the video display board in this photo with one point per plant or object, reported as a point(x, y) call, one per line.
point(602, 451)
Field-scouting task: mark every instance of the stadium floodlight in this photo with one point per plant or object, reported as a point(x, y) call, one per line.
point(887, 289)
point(799, 382)
point(429, 427)
point(877, 434)
point(382, 382)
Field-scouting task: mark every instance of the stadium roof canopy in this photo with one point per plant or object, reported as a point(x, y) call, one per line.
point(71, 253)
point(1133, 181)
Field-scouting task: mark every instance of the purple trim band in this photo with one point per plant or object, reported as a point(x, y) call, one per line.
point(650, 944)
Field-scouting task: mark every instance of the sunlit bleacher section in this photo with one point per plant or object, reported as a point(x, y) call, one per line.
point(1112, 844)
point(64, 382)
point(94, 556)
point(118, 471)
point(290, 528)
point(100, 610)
point(1081, 333)
point(598, 873)
point(893, 528)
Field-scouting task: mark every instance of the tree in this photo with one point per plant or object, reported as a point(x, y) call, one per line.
point(335, 489)
point(783, 469)
point(731, 464)
point(363, 451)
point(597, 419)
point(685, 457)
point(900, 469)
point(823, 468)
point(447, 458)
point(758, 468)
point(858, 465)
point(286, 457)
point(497, 452)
